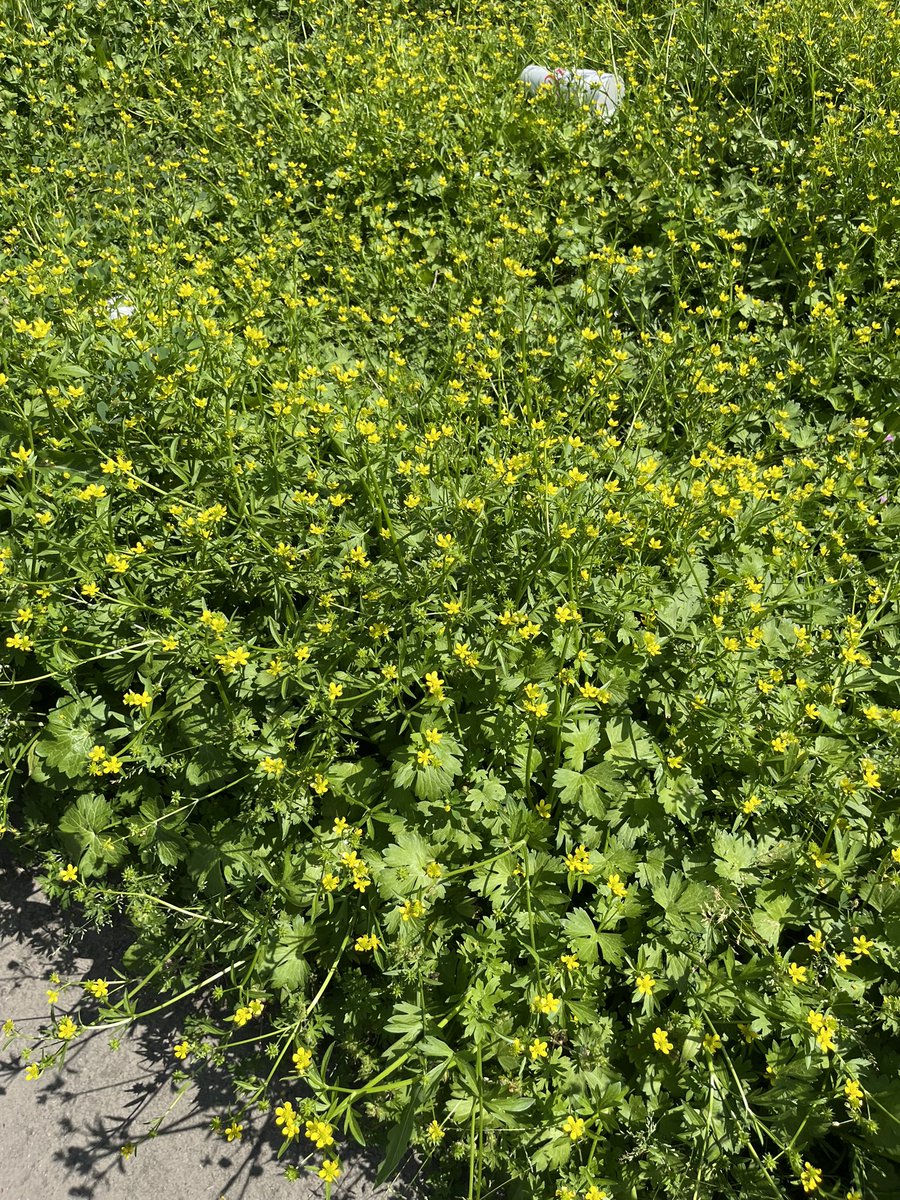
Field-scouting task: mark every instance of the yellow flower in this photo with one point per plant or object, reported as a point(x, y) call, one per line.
point(842, 960)
point(595, 1193)
point(272, 768)
point(871, 777)
point(537, 1049)
point(286, 1120)
point(798, 974)
point(234, 1131)
point(411, 910)
point(547, 1004)
point(651, 645)
point(335, 691)
point(434, 1133)
point(645, 984)
point(330, 1170)
point(68, 874)
point(810, 1177)
point(661, 1041)
point(853, 1093)
point(435, 685)
point(182, 1050)
point(816, 941)
point(330, 881)
point(579, 861)
point(616, 886)
point(825, 1038)
point(302, 1059)
point(711, 1043)
point(66, 1029)
point(574, 1127)
point(32, 1071)
point(320, 1133)
point(238, 657)
point(862, 946)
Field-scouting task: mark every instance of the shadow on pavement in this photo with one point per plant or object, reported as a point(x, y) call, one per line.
point(62, 1136)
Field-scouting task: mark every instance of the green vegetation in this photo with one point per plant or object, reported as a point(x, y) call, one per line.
point(449, 574)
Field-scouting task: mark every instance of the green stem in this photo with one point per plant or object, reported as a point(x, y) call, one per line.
point(149, 1012)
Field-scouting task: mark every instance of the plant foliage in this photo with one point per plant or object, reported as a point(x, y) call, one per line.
point(449, 574)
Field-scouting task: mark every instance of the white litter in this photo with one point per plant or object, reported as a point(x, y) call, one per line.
point(604, 93)
point(118, 308)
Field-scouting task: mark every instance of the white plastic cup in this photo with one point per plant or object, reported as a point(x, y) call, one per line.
point(535, 77)
point(602, 92)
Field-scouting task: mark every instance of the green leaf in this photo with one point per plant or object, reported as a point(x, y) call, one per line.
point(87, 818)
point(735, 855)
point(580, 739)
point(83, 823)
point(285, 959)
point(584, 787)
point(67, 751)
point(630, 742)
point(505, 1109)
point(586, 940)
point(399, 1138)
point(681, 901)
point(611, 947)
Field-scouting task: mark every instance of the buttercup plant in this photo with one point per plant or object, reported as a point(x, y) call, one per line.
point(449, 579)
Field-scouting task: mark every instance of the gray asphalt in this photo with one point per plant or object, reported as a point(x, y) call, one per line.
point(61, 1135)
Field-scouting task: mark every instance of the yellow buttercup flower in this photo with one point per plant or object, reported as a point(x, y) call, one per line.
point(320, 1133)
point(661, 1041)
point(302, 1059)
point(810, 1177)
point(574, 1127)
point(330, 1170)
point(66, 1029)
point(645, 984)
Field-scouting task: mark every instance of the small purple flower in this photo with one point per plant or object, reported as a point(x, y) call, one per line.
point(889, 437)
point(882, 499)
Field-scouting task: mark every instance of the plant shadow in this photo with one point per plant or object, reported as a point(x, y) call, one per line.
point(110, 1106)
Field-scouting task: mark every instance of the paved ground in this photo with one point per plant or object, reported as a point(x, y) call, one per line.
point(61, 1136)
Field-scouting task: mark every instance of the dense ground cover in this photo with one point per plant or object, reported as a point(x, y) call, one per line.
point(449, 573)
